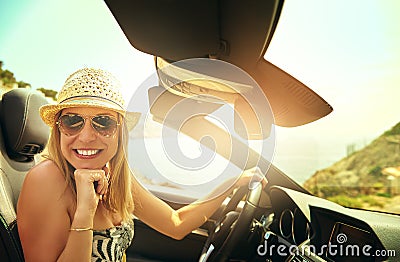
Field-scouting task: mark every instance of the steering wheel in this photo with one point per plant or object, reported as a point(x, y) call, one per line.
point(232, 226)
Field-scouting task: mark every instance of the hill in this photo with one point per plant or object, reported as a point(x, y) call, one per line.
point(360, 179)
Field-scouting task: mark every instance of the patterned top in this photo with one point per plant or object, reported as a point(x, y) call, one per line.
point(110, 244)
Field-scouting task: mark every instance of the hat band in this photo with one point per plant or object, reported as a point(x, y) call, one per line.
point(79, 98)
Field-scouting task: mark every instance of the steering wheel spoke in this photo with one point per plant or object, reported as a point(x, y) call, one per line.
point(232, 226)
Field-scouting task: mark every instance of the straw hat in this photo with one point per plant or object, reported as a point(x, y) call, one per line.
point(89, 87)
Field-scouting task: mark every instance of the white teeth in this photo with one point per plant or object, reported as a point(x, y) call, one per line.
point(87, 152)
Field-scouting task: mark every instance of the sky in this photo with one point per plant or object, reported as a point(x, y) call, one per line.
point(348, 51)
point(43, 42)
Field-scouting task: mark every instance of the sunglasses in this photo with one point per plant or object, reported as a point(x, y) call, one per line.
point(72, 124)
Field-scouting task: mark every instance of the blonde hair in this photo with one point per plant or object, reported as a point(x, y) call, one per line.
point(119, 196)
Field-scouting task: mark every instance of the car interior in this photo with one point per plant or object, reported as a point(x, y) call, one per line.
point(23, 136)
point(253, 221)
point(240, 32)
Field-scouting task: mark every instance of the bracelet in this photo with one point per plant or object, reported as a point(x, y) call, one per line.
point(81, 229)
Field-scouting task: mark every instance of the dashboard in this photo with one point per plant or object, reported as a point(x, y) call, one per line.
point(308, 228)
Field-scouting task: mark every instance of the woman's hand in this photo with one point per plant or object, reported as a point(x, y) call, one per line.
point(252, 177)
point(91, 186)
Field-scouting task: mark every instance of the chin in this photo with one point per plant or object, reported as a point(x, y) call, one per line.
point(82, 164)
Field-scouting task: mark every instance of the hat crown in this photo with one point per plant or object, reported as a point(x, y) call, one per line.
point(93, 83)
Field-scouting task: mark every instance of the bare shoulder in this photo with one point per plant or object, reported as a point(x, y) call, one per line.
point(46, 173)
point(42, 212)
point(45, 169)
point(43, 183)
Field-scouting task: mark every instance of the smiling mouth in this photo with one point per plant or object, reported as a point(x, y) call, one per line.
point(90, 152)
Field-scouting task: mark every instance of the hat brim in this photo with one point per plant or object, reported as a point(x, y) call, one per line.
point(49, 112)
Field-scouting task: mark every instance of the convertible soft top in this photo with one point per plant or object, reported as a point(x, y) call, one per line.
point(238, 32)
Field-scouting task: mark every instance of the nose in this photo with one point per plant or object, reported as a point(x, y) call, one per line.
point(87, 133)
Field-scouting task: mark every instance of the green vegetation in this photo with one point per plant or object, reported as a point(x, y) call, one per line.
point(48, 92)
point(347, 201)
point(6, 76)
point(8, 79)
point(373, 201)
point(22, 84)
point(385, 194)
point(376, 202)
point(361, 201)
point(394, 131)
point(376, 171)
point(361, 179)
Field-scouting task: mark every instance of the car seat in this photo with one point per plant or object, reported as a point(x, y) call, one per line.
point(22, 136)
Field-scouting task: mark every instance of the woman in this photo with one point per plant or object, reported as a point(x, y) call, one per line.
point(77, 205)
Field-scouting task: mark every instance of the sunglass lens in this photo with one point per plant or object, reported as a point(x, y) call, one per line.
point(105, 125)
point(71, 124)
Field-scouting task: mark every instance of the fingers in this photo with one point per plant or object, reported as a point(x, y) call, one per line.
point(107, 171)
point(256, 177)
point(96, 179)
point(102, 185)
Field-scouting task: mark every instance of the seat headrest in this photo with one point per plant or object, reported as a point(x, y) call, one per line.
point(25, 134)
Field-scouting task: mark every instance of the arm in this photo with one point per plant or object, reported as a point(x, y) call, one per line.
point(44, 219)
point(178, 223)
